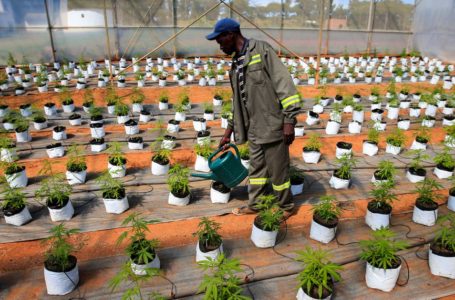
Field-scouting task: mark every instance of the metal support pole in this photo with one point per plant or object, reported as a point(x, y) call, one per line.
point(370, 25)
point(327, 32)
point(231, 2)
point(281, 25)
point(117, 35)
point(49, 27)
point(108, 43)
point(321, 21)
point(174, 23)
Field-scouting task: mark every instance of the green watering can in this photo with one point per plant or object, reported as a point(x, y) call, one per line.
point(227, 168)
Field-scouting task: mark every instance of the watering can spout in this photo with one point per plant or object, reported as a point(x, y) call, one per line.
point(205, 176)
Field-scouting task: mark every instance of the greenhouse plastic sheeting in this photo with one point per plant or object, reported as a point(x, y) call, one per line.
point(433, 32)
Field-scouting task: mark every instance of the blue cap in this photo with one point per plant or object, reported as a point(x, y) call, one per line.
point(223, 25)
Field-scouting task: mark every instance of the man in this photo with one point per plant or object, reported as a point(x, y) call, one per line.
point(265, 104)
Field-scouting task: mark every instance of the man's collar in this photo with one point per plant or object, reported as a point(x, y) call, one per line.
point(244, 48)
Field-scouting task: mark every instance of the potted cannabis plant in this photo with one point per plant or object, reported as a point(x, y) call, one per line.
point(135, 143)
point(395, 141)
point(426, 209)
point(114, 194)
point(137, 98)
point(178, 183)
point(59, 133)
point(317, 278)
point(441, 256)
point(160, 161)
point(22, 130)
point(7, 149)
point(116, 161)
point(39, 120)
point(97, 145)
point(221, 281)
point(61, 272)
point(341, 177)
point(76, 167)
point(370, 145)
point(14, 206)
point(54, 190)
point(325, 219)
point(422, 138)
point(267, 222)
point(75, 119)
point(416, 172)
point(385, 172)
point(163, 101)
point(297, 180)
point(14, 173)
point(140, 250)
point(445, 163)
point(122, 111)
point(383, 263)
point(379, 209)
point(312, 149)
point(219, 193)
point(244, 153)
point(343, 148)
point(209, 115)
point(226, 114)
point(66, 101)
point(203, 151)
point(210, 243)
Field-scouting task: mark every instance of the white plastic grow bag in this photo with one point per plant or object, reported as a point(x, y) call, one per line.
point(296, 189)
point(180, 116)
point(209, 116)
point(173, 200)
point(392, 149)
point(40, 126)
point(414, 112)
point(20, 218)
point(370, 149)
point(23, 137)
point(7, 154)
point(158, 169)
point(140, 270)
point(97, 132)
point(122, 119)
point(299, 131)
point(311, 157)
point(441, 265)
point(392, 113)
point(200, 256)
point(17, 180)
point(144, 118)
point(262, 238)
point(451, 203)
point(310, 120)
point(354, 127)
point(50, 111)
point(224, 123)
point(338, 183)
point(134, 129)
point(418, 146)
point(137, 107)
point(61, 283)
point(301, 295)
point(332, 127)
point(219, 197)
point(111, 109)
point(116, 171)
point(381, 279)
point(404, 124)
point(62, 214)
point(76, 177)
point(358, 116)
point(201, 164)
point(135, 146)
point(116, 206)
point(75, 122)
point(58, 136)
point(424, 217)
point(168, 144)
point(97, 147)
point(442, 174)
point(431, 110)
point(340, 152)
point(377, 220)
point(245, 163)
point(414, 178)
point(321, 233)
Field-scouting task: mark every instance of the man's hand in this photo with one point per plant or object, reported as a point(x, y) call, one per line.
point(288, 133)
point(226, 139)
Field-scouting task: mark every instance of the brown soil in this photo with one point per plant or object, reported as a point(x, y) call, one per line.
point(329, 223)
point(383, 209)
point(426, 205)
point(440, 250)
point(72, 261)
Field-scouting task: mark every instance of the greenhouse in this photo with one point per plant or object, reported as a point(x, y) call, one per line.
point(227, 149)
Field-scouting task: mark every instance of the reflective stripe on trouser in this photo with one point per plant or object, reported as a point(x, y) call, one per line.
point(270, 161)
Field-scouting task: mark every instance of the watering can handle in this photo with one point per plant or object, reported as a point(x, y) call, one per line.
point(223, 149)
